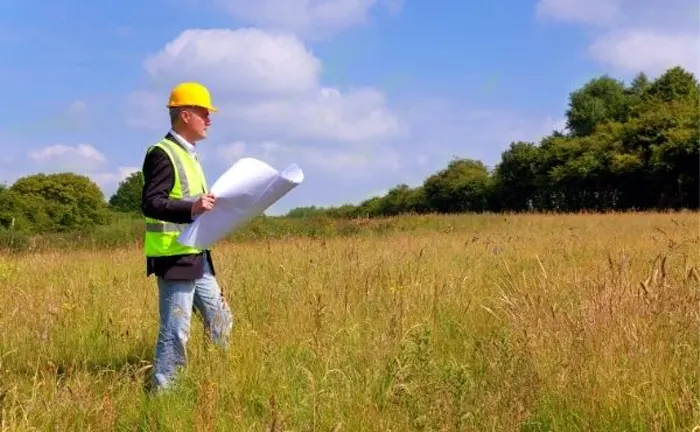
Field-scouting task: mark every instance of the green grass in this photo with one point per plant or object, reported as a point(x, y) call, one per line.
point(444, 323)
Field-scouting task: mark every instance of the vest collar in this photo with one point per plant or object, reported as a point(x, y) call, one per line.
point(177, 139)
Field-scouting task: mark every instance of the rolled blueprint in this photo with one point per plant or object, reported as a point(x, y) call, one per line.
point(244, 191)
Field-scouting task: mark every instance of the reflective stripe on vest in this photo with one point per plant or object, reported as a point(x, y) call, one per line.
point(160, 227)
point(188, 184)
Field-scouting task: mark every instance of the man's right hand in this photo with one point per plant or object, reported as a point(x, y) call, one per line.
point(203, 204)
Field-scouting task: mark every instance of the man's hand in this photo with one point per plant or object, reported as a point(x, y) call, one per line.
point(203, 204)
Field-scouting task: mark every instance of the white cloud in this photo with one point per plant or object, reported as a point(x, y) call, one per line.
point(353, 164)
point(308, 17)
point(443, 129)
point(269, 147)
point(632, 36)
point(631, 51)
point(110, 179)
point(596, 12)
point(547, 126)
point(243, 61)
point(83, 157)
point(267, 86)
point(230, 153)
point(341, 163)
point(357, 116)
point(348, 162)
point(286, 114)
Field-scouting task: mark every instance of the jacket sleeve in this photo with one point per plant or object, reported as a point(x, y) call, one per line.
point(158, 180)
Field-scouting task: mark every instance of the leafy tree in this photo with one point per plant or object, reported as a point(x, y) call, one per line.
point(639, 84)
point(665, 137)
point(348, 211)
point(629, 147)
point(402, 199)
point(462, 186)
point(367, 208)
point(68, 200)
point(127, 198)
point(598, 101)
point(30, 214)
point(675, 84)
point(516, 177)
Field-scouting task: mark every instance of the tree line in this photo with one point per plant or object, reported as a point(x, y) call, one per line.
point(627, 147)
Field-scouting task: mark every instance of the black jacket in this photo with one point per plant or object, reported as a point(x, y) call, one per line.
point(158, 175)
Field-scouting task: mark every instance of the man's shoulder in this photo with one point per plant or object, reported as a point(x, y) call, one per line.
point(156, 158)
point(165, 146)
point(159, 145)
point(158, 150)
point(155, 154)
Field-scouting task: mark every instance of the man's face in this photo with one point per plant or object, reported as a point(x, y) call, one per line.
point(196, 120)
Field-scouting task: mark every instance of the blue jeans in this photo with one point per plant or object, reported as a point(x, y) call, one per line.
point(176, 301)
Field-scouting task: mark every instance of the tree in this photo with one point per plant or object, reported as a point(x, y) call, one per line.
point(68, 200)
point(29, 214)
point(402, 199)
point(664, 135)
point(599, 100)
point(634, 147)
point(463, 186)
point(127, 198)
point(516, 177)
point(676, 84)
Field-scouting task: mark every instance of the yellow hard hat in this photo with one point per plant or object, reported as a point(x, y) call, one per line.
point(190, 94)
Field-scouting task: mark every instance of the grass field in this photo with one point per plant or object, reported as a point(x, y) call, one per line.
point(499, 323)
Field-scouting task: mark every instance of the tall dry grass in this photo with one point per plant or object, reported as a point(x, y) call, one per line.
point(534, 323)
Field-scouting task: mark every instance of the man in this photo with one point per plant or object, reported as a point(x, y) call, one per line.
point(174, 194)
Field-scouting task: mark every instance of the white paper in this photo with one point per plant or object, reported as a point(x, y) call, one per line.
point(244, 191)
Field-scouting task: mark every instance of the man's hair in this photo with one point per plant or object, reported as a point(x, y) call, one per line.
point(175, 114)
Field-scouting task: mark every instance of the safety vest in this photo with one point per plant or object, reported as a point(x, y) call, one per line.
point(189, 184)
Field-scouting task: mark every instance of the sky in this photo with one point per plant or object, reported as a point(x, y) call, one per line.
point(362, 94)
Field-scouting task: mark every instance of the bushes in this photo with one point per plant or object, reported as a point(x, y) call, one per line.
point(127, 231)
point(44, 203)
point(13, 240)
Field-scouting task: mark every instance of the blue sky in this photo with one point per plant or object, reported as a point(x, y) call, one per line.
point(362, 94)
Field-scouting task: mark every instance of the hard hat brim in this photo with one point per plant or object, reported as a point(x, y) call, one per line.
point(210, 108)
